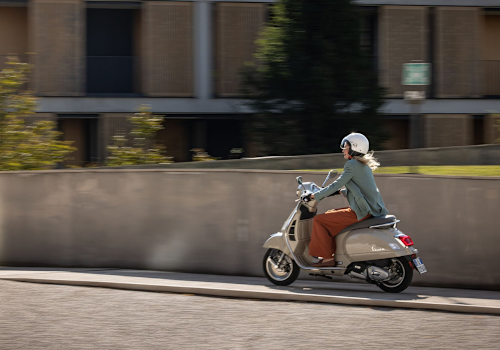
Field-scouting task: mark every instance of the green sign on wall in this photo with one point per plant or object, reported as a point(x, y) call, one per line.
point(416, 74)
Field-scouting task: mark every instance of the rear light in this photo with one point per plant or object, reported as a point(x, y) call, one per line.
point(406, 240)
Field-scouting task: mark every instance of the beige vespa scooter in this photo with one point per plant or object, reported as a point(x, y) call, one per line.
point(373, 250)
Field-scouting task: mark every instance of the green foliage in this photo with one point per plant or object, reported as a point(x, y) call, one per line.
point(447, 170)
point(25, 147)
point(143, 149)
point(200, 155)
point(312, 83)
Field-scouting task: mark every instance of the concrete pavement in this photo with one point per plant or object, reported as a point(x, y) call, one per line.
point(53, 317)
point(444, 299)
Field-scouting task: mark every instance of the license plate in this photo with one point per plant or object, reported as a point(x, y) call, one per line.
point(419, 265)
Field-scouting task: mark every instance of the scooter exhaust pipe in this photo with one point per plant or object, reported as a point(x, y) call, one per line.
point(361, 276)
point(377, 274)
point(371, 273)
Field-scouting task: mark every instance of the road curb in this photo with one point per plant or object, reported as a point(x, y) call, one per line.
point(269, 295)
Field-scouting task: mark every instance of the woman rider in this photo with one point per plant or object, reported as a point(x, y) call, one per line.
point(362, 194)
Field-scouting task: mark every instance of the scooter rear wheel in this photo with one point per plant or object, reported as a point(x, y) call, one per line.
point(285, 273)
point(403, 276)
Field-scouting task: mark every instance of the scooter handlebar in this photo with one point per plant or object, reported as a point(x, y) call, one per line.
point(307, 197)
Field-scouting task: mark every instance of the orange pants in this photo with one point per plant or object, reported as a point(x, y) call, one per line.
point(326, 226)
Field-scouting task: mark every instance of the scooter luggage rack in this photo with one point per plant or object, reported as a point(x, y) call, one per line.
point(393, 223)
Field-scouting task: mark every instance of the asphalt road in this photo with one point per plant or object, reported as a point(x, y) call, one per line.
point(36, 316)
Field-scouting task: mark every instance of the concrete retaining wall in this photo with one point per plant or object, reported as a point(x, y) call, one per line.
point(215, 221)
point(462, 155)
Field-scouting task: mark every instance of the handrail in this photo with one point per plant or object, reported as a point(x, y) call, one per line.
point(386, 224)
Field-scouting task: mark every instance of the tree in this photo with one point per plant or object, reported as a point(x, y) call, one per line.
point(25, 147)
point(143, 149)
point(312, 83)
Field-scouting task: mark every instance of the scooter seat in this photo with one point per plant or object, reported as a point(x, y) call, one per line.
point(374, 220)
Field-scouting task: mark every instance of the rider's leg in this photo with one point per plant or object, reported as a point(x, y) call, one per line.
point(321, 243)
point(325, 227)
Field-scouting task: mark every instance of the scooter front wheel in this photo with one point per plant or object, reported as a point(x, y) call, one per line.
point(279, 268)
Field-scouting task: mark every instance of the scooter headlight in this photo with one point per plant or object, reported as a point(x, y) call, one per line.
point(298, 193)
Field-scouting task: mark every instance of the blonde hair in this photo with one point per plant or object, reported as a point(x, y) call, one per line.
point(369, 160)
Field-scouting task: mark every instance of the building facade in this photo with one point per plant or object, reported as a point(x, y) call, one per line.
point(96, 62)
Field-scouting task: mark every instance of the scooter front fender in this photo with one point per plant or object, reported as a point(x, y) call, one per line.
point(276, 241)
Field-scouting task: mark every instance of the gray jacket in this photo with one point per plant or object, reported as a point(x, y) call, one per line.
point(362, 192)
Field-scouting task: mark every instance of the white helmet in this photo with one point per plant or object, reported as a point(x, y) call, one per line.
point(358, 144)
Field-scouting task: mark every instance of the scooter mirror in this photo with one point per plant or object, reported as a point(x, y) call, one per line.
point(330, 174)
point(299, 180)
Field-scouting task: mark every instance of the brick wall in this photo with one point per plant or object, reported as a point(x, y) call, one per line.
point(237, 27)
point(167, 38)
point(491, 54)
point(402, 38)
point(458, 53)
point(57, 38)
point(445, 130)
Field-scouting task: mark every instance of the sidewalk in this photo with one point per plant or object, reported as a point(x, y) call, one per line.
point(454, 300)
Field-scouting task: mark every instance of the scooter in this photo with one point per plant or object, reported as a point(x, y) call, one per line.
point(373, 250)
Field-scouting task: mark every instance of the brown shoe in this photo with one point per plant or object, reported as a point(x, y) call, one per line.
point(332, 263)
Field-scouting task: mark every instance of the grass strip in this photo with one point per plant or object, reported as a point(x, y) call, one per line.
point(449, 170)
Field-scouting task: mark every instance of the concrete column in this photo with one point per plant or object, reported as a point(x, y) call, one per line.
point(203, 49)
